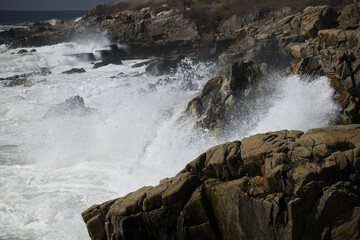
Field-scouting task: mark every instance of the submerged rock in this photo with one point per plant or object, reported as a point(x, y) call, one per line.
point(23, 79)
point(74, 70)
point(16, 80)
point(277, 185)
point(74, 106)
point(89, 57)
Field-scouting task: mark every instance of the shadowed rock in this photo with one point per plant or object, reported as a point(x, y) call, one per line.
point(277, 185)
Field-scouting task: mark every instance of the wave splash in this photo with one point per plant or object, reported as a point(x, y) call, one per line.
point(52, 169)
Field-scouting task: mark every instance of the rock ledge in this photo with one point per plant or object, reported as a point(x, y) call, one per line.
point(277, 185)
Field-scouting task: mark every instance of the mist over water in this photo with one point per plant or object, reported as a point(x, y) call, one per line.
point(52, 169)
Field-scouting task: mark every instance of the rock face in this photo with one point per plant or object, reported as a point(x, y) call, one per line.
point(277, 185)
point(319, 41)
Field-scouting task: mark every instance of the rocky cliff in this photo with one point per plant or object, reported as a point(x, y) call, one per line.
point(277, 185)
point(318, 41)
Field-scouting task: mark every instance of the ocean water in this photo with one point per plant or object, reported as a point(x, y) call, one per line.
point(52, 169)
point(17, 19)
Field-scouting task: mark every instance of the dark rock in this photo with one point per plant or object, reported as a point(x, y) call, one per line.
point(33, 50)
point(269, 186)
point(74, 106)
point(16, 80)
point(114, 55)
point(22, 51)
point(23, 79)
point(74, 70)
point(88, 57)
point(138, 65)
point(166, 65)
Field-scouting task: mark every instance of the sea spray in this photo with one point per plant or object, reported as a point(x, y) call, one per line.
point(52, 169)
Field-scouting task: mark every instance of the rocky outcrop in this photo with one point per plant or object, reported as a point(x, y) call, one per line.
point(73, 106)
point(277, 185)
point(74, 70)
point(334, 52)
point(319, 41)
point(24, 79)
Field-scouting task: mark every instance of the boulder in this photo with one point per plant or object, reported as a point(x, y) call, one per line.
point(221, 98)
point(73, 106)
point(277, 185)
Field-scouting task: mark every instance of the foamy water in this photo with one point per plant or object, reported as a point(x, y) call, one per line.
point(53, 169)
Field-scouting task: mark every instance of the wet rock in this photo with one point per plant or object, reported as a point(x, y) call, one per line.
point(138, 65)
point(16, 80)
point(269, 186)
point(73, 106)
point(88, 57)
point(23, 79)
point(33, 50)
point(74, 70)
point(161, 66)
point(22, 51)
point(114, 55)
point(221, 97)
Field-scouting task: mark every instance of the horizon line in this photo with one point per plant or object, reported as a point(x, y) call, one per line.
point(47, 10)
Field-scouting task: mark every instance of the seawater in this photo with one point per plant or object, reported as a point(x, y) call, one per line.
point(17, 19)
point(53, 169)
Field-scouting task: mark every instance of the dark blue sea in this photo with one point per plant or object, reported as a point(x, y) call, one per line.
point(10, 19)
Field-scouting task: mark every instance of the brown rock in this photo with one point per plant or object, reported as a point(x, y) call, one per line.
point(279, 185)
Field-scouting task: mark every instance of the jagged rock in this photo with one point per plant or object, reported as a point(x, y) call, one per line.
point(277, 185)
point(161, 66)
point(74, 70)
point(23, 79)
point(221, 97)
point(112, 56)
point(74, 106)
point(349, 16)
point(16, 80)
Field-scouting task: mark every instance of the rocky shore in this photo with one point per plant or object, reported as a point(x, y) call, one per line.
point(278, 185)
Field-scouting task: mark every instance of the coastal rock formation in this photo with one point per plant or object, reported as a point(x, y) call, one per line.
point(73, 106)
point(23, 79)
point(319, 41)
point(277, 185)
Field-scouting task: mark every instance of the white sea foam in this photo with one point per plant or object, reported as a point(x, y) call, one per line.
point(52, 21)
point(53, 169)
point(77, 19)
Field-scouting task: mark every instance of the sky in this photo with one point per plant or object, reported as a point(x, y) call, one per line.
point(51, 4)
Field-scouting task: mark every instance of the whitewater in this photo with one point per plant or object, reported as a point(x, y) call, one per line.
point(52, 169)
